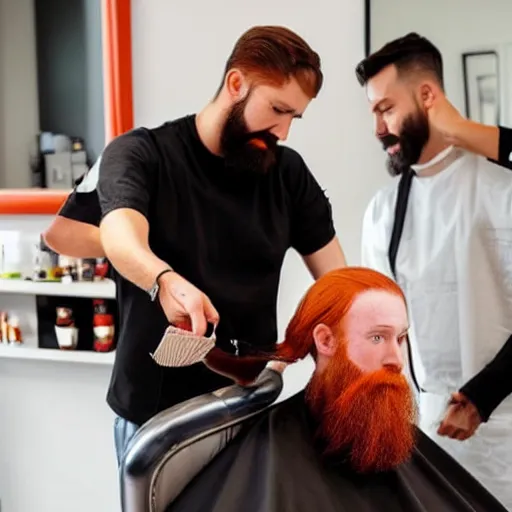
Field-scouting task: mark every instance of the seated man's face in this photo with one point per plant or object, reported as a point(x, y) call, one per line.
point(358, 394)
point(375, 328)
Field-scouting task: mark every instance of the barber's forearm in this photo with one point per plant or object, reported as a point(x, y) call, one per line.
point(88, 246)
point(124, 235)
point(75, 239)
point(478, 138)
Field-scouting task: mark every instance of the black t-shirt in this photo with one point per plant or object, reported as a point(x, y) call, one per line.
point(83, 204)
point(226, 232)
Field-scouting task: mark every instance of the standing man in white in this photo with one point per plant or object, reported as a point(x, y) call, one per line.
point(443, 229)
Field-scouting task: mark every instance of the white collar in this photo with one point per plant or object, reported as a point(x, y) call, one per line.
point(438, 158)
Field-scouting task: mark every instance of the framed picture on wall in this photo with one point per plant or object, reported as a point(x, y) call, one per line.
point(481, 86)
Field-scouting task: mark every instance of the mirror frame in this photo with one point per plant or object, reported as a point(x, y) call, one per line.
point(367, 27)
point(117, 67)
point(118, 106)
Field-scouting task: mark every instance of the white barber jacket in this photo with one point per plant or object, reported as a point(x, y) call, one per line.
point(454, 264)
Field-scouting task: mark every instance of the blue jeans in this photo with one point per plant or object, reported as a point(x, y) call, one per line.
point(124, 430)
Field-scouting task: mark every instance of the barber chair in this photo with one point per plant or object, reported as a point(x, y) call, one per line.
point(173, 447)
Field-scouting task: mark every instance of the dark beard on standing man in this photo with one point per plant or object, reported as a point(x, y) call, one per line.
point(414, 135)
point(246, 151)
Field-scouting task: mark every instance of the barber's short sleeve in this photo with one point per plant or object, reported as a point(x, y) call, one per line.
point(127, 173)
point(82, 204)
point(312, 225)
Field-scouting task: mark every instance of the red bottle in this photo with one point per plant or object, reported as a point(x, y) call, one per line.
point(103, 327)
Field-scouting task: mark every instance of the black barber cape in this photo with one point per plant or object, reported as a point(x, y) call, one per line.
point(271, 466)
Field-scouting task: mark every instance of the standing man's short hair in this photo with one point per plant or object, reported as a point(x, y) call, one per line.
point(411, 54)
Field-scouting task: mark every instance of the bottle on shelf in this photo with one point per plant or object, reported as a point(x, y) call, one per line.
point(14, 331)
point(101, 269)
point(103, 327)
point(65, 329)
point(10, 331)
point(3, 327)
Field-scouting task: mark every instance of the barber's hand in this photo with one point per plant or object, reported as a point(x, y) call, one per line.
point(461, 419)
point(445, 118)
point(184, 304)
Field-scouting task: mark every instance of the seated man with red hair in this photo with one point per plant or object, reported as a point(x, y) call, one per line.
point(348, 441)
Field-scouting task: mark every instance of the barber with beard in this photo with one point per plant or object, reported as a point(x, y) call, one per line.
point(196, 218)
point(443, 230)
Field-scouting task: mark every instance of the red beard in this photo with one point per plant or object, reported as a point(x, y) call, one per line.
point(369, 417)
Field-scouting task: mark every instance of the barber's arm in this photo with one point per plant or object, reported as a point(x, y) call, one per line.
point(492, 384)
point(475, 402)
point(324, 260)
point(74, 238)
point(74, 231)
point(313, 234)
point(492, 142)
point(127, 179)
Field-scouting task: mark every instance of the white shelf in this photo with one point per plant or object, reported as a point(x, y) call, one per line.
point(48, 354)
point(105, 289)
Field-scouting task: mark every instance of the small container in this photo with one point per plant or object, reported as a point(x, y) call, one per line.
point(3, 327)
point(67, 337)
point(65, 330)
point(101, 269)
point(14, 336)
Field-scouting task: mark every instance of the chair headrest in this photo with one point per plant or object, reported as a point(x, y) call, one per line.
point(196, 416)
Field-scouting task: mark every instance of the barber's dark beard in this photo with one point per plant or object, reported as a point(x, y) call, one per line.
point(413, 136)
point(365, 420)
point(243, 150)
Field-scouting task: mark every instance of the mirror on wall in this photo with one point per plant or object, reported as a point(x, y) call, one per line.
point(475, 40)
point(51, 91)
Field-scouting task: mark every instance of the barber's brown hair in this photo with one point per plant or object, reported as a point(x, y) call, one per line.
point(273, 55)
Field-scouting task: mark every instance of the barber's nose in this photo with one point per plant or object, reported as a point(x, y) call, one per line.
point(282, 129)
point(394, 357)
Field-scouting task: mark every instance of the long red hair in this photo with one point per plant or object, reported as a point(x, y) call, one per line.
point(327, 301)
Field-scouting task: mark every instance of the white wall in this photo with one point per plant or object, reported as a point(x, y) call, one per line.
point(19, 115)
point(56, 438)
point(179, 55)
point(56, 434)
point(179, 50)
point(454, 26)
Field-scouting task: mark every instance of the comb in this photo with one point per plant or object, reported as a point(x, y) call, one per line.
point(179, 347)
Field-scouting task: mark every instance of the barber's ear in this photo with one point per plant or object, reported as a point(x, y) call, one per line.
point(236, 84)
point(325, 341)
